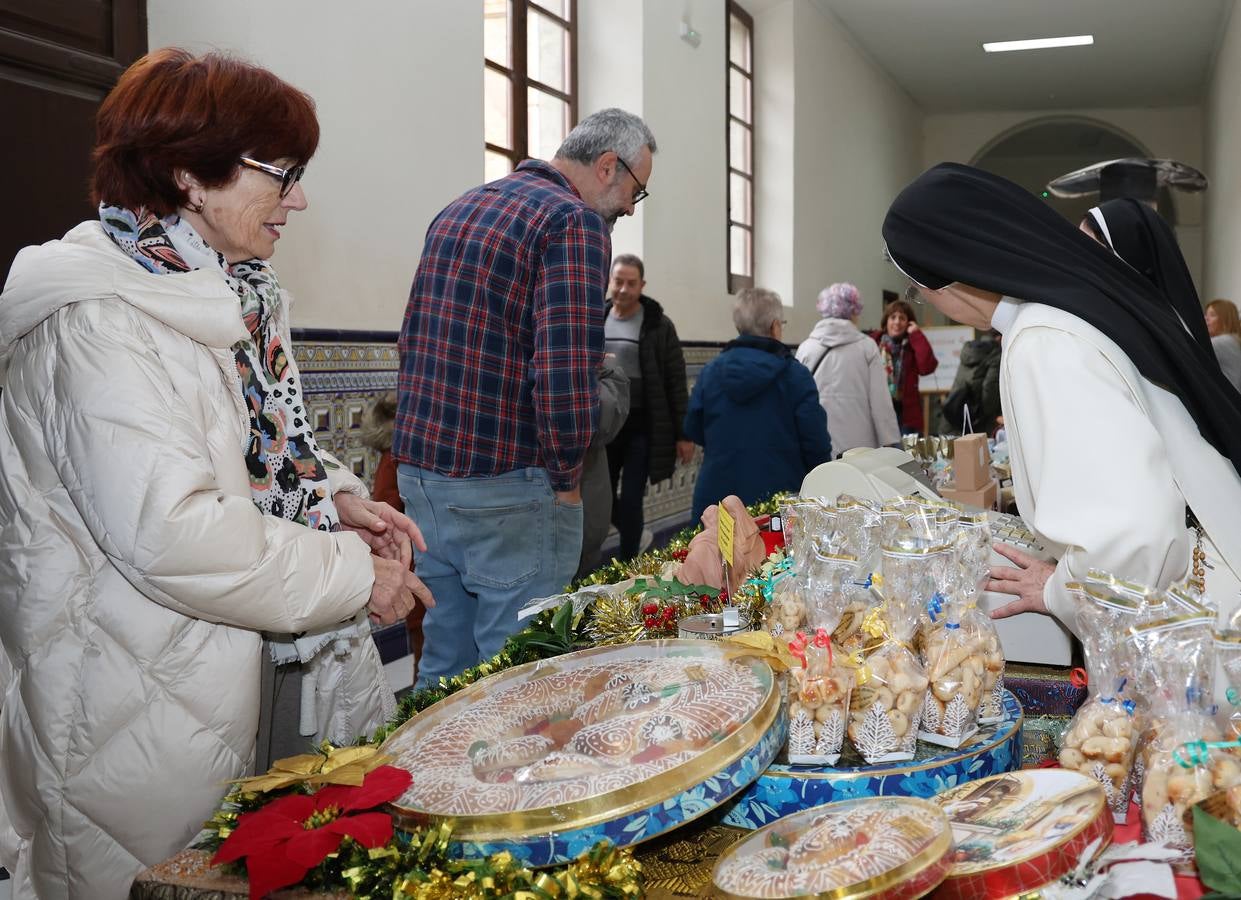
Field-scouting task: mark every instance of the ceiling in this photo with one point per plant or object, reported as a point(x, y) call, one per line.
point(1146, 52)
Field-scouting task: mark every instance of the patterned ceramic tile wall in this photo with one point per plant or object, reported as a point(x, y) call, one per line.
point(344, 371)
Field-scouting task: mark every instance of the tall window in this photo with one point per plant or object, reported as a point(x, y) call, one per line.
point(740, 94)
point(529, 80)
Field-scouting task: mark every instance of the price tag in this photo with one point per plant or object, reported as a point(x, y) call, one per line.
point(724, 534)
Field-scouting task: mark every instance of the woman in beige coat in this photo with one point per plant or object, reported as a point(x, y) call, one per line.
point(162, 498)
point(848, 371)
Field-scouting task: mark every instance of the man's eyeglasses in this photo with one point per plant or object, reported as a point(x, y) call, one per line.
point(288, 177)
point(642, 193)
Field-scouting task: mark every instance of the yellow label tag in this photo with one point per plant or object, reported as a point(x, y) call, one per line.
point(724, 535)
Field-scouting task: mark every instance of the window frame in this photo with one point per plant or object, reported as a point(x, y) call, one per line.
point(737, 282)
point(520, 81)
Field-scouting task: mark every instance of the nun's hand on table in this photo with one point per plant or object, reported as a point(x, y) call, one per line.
point(1026, 581)
point(389, 533)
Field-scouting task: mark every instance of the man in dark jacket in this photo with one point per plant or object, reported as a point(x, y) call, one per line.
point(756, 411)
point(647, 349)
point(977, 386)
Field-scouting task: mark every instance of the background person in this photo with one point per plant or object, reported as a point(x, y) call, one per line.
point(164, 500)
point(1224, 326)
point(976, 387)
point(498, 390)
point(598, 491)
point(644, 340)
point(907, 354)
point(849, 374)
point(377, 426)
point(755, 411)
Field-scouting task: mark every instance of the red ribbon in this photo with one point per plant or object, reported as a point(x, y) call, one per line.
point(1078, 678)
point(823, 640)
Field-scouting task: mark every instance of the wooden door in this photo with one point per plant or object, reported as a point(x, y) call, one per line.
point(58, 60)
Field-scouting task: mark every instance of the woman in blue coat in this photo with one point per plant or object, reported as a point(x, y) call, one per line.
point(755, 410)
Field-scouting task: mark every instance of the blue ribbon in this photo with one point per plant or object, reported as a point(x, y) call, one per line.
point(1198, 753)
point(1233, 697)
point(935, 606)
point(780, 571)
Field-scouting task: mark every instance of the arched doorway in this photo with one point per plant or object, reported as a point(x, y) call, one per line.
point(1035, 152)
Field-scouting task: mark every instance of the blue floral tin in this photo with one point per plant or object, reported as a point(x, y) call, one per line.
point(785, 789)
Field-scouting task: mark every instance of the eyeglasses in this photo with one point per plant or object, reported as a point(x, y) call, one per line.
point(642, 193)
point(288, 177)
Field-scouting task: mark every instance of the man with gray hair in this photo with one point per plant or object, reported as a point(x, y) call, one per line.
point(755, 410)
point(497, 393)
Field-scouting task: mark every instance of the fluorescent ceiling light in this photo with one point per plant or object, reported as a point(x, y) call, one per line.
point(1076, 40)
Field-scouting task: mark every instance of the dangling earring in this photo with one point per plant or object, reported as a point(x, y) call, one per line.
point(195, 207)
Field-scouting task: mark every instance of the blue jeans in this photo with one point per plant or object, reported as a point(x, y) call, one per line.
point(492, 544)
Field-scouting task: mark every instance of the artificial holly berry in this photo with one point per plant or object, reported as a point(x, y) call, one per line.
point(705, 598)
point(650, 622)
point(650, 609)
point(722, 597)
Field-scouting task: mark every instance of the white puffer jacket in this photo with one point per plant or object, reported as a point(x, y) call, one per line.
point(135, 572)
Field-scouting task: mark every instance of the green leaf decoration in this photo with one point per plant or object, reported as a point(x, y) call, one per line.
point(1217, 848)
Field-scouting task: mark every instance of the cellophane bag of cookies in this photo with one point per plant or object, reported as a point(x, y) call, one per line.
point(974, 556)
point(818, 701)
point(785, 615)
point(887, 701)
point(1228, 668)
point(954, 651)
point(855, 529)
point(1174, 667)
point(1102, 736)
point(886, 706)
point(801, 519)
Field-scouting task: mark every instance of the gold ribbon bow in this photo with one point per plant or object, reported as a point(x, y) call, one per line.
point(331, 765)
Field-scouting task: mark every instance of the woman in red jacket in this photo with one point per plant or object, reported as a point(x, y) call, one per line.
point(906, 355)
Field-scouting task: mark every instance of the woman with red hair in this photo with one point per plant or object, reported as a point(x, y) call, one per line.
point(163, 500)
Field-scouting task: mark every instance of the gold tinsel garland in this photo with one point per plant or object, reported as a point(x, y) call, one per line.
point(418, 864)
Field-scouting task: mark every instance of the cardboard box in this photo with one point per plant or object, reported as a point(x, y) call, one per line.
point(983, 497)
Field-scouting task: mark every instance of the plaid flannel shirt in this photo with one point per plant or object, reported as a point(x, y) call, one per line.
point(503, 334)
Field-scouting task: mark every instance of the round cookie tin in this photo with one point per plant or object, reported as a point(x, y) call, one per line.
point(619, 743)
point(1019, 831)
point(886, 848)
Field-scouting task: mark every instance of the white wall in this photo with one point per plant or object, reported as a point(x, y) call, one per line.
point(1223, 144)
point(399, 91)
point(839, 140)
point(1175, 132)
point(610, 72)
point(775, 173)
point(686, 216)
point(630, 54)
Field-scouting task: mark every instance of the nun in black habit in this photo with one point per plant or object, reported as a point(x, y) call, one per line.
point(1119, 421)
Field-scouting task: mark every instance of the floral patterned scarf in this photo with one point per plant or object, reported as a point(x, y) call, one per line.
point(286, 466)
point(893, 350)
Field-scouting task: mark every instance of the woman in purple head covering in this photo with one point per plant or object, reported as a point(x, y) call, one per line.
point(849, 373)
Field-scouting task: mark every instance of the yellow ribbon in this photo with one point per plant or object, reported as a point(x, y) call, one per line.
point(763, 646)
point(334, 765)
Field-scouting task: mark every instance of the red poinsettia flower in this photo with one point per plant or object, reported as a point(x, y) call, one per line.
point(291, 835)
